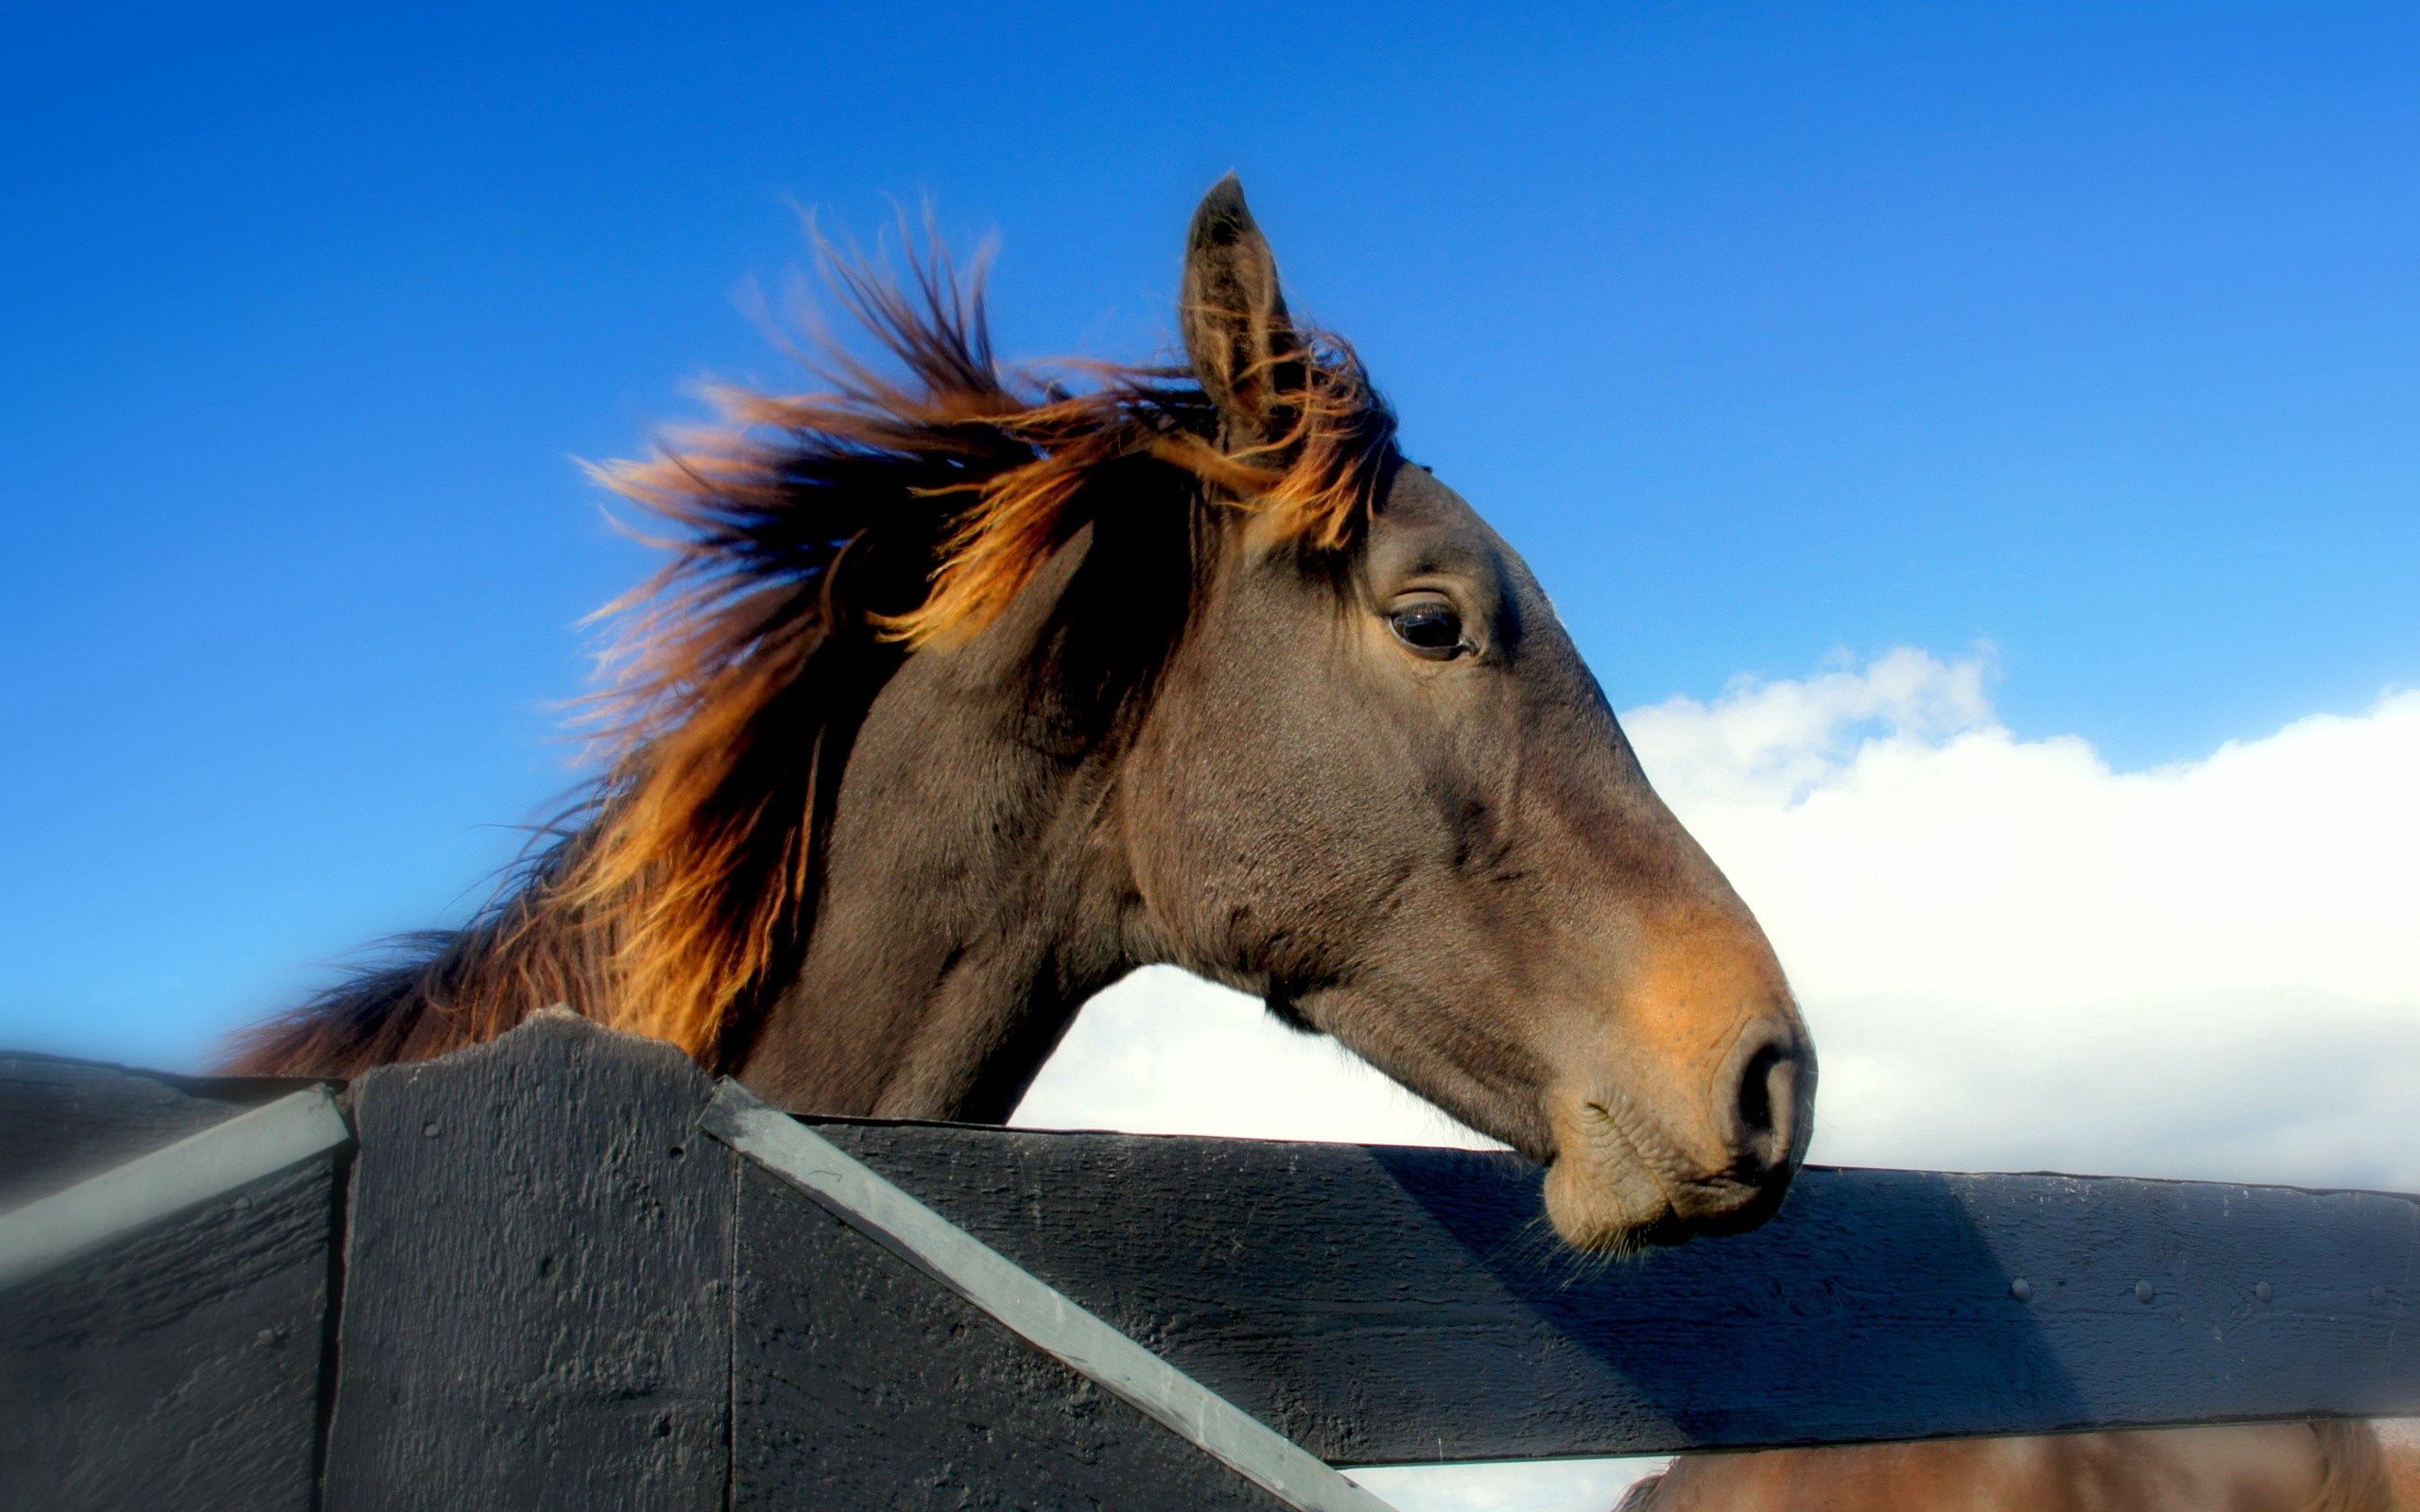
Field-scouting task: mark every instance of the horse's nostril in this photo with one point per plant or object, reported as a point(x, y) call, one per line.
point(1755, 1090)
point(1766, 1100)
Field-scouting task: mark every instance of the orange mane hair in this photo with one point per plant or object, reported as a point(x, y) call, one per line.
point(814, 540)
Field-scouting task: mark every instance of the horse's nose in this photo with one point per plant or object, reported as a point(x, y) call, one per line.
point(1771, 1080)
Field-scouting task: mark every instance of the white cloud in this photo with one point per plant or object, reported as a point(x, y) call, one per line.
point(1533, 1486)
point(2013, 956)
point(1166, 1053)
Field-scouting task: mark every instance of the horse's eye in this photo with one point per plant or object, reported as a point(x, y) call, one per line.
point(1430, 627)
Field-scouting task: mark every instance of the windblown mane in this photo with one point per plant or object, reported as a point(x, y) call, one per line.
point(813, 542)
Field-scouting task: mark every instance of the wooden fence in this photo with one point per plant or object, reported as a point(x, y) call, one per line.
point(568, 1269)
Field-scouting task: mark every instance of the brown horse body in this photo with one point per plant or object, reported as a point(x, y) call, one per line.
point(962, 696)
point(2323, 1467)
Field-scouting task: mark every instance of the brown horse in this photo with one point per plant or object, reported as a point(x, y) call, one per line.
point(2318, 1466)
point(961, 695)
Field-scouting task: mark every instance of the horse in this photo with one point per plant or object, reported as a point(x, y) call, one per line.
point(2325, 1465)
point(965, 689)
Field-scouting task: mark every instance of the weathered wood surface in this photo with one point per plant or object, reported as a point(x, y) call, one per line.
point(181, 1367)
point(62, 1120)
point(1389, 1305)
point(863, 1384)
point(537, 1307)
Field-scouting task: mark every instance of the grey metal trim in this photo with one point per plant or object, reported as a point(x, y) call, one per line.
point(1044, 1316)
point(39, 1235)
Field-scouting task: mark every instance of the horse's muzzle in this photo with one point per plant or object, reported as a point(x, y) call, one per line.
point(1628, 1174)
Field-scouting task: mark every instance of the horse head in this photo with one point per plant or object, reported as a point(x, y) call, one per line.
point(1379, 788)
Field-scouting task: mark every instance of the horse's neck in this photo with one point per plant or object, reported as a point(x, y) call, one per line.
point(971, 897)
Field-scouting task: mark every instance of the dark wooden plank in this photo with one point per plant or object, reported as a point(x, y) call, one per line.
point(860, 1382)
point(1384, 1305)
point(538, 1309)
point(62, 1120)
point(180, 1367)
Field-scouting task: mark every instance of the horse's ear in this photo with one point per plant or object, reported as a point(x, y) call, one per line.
point(1241, 343)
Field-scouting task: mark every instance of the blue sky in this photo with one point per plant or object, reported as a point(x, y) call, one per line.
point(1766, 333)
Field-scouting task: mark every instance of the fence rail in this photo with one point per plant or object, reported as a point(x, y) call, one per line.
point(568, 1269)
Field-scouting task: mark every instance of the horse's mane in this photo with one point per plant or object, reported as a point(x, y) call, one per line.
point(812, 541)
